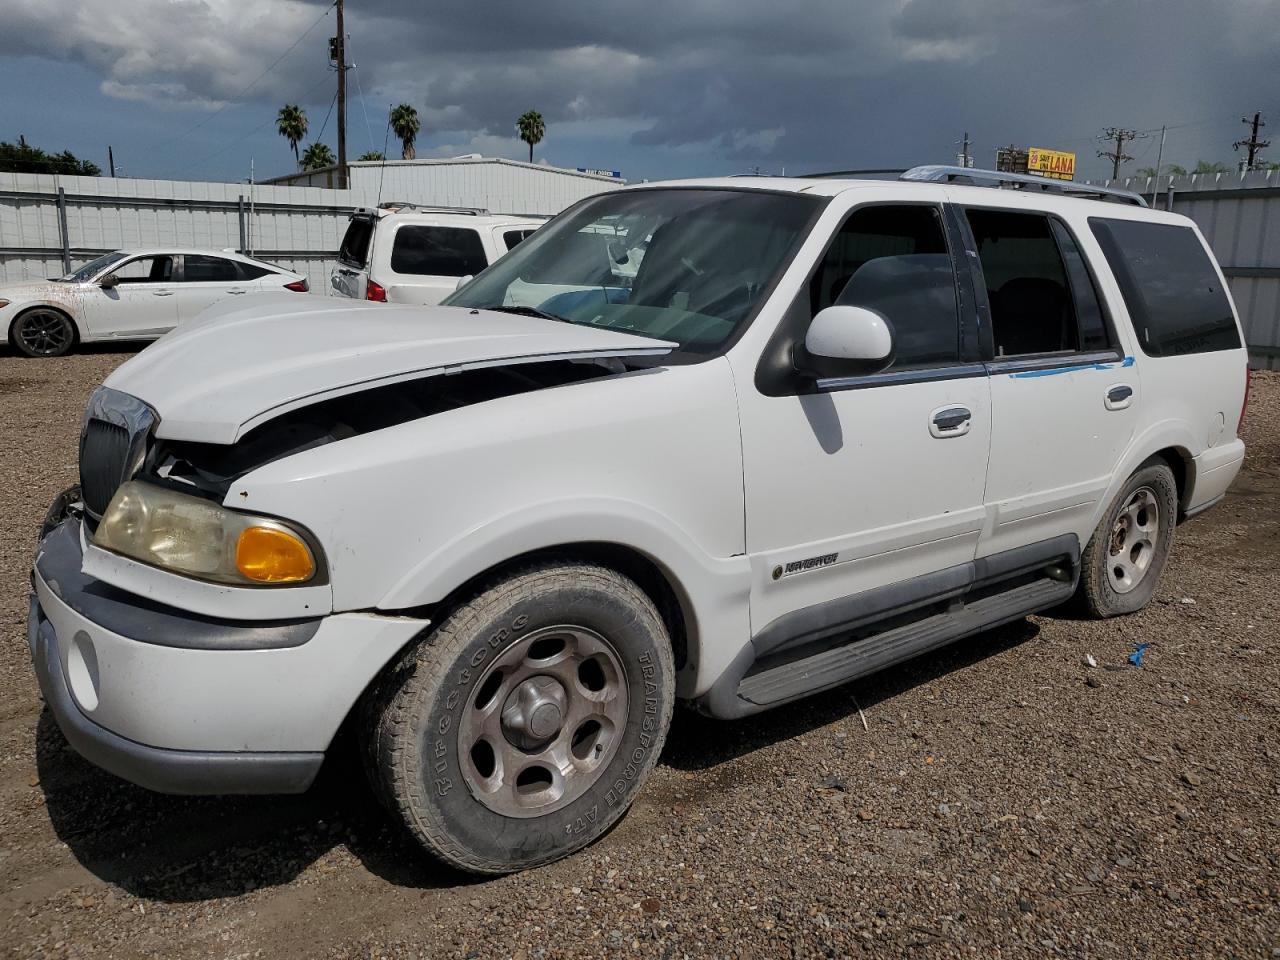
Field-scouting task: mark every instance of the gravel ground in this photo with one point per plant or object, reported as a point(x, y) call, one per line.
point(1003, 800)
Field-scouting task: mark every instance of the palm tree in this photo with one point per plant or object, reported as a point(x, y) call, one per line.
point(317, 156)
point(405, 125)
point(372, 155)
point(531, 129)
point(292, 124)
point(1168, 170)
point(1204, 166)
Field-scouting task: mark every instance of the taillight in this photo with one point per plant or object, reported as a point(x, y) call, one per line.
point(298, 286)
point(1244, 406)
point(375, 291)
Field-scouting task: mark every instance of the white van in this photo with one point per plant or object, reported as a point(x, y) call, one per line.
point(402, 253)
point(730, 442)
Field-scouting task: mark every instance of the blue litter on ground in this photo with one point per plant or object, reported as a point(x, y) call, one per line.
point(1138, 653)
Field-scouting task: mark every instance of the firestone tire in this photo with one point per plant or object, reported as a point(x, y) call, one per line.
point(1121, 566)
point(497, 775)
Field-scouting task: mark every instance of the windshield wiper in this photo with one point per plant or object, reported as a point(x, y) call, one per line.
point(526, 312)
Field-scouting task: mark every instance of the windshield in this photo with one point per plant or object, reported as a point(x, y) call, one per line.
point(686, 265)
point(93, 268)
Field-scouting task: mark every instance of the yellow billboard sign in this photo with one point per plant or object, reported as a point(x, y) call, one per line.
point(1054, 164)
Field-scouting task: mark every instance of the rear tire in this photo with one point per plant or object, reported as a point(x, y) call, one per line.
point(1121, 566)
point(42, 332)
point(519, 729)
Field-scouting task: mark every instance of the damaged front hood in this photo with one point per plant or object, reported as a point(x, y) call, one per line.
point(216, 378)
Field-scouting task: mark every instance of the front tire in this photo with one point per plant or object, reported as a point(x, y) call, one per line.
point(1121, 566)
point(42, 332)
point(519, 729)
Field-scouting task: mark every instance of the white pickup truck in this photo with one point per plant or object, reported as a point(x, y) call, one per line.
point(728, 442)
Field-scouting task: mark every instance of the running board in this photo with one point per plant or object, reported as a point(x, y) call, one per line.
point(830, 668)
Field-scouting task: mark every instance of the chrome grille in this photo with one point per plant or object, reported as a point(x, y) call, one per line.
point(113, 445)
point(104, 455)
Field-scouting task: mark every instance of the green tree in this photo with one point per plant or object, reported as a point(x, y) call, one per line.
point(21, 157)
point(317, 156)
point(531, 129)
point(373, 155)
point(291, 122)
point(1204, 166)
point(405, 125)
point(1168, 170)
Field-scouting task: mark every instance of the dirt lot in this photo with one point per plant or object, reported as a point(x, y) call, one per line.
point(1004, 800)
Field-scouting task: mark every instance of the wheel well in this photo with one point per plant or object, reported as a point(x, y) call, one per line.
point(1178, 461)
point(648, 575)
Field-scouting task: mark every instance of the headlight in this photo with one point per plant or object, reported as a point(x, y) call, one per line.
point(201, 539)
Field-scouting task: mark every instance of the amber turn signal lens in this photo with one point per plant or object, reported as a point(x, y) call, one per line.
point(269, 555)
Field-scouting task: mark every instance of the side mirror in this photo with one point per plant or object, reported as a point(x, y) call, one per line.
point(463, 281)
point(844, 340)
point(109, 281)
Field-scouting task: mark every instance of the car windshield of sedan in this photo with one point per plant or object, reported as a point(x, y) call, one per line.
point(683, 264)
point(93, 268)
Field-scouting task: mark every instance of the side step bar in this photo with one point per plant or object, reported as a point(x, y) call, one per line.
point(830, 668)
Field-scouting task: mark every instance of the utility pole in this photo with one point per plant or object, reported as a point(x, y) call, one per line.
point(111, 160)
point(340, 51)
point(1121, 136)
point(1253, 144)
point(1155, 181)
point(965, 159)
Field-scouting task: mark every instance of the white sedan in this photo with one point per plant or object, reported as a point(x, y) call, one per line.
point(130, 295)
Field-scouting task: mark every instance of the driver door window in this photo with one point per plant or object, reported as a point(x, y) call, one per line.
point(145, 270)
point(894, 260)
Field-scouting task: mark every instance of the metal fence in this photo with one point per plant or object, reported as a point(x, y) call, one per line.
point(1239, 215)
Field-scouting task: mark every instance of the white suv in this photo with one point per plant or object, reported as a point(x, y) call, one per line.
point(402, 253)
point(729, 442)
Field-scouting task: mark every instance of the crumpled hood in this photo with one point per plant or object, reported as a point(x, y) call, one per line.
point(214, 379)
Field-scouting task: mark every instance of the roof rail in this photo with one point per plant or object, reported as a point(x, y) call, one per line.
point(1019, 181)
point(395, 205)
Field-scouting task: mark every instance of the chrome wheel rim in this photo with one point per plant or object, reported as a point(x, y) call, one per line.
point(1132, 548)
point(44, 332)
point(544, 720)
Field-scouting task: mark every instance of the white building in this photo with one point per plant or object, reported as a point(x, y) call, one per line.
point(491, 183)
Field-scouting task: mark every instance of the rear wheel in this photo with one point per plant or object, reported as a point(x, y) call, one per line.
point(1121, 566)
point(43, 332)
point(519, 730)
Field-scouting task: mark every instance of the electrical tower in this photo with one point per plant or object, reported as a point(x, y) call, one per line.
point(1253, 144)
point(1120, 137)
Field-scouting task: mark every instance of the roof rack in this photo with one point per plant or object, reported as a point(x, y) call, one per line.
point(1019, 181)
point(394, 205)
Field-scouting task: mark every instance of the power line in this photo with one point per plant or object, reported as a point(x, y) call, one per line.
point(1118, 156)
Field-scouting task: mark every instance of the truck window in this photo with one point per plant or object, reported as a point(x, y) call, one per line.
point(511, 237)
point(1027, 286)
point(355, 242)
point(894, 260)
point(1174, 296)
point(437, 251)
point(1095, 330)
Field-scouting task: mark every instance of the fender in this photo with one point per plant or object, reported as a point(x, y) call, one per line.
point(1161, 435)
point(16, 308)
point(713, 591)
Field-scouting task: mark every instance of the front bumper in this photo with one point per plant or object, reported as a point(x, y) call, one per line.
point(184, 703)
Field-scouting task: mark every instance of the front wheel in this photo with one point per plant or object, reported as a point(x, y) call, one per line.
point(1121, 566)
point(43, 332)
point(521, 727)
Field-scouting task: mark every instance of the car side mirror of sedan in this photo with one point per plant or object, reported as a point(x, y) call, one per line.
point(109, 281)
point(846, 341)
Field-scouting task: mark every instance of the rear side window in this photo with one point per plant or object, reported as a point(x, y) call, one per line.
point(438, 251)
point(1168, 283)
point(198, 269)
point(251, 271)
point(1027, 286)
point(894, 260)
point(355, 242)
point(511, 237)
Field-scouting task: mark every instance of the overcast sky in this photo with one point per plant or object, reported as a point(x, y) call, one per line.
point(654, 88)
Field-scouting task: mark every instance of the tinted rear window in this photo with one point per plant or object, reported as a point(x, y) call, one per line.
point(512, 237)
point(438, 251)
point(355, 244)
point(198, 269)
point(1175, 299)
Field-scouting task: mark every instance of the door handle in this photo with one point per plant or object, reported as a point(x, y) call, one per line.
point(235, 293)
point(162, 293)
point(1119, 397)
point(950, 422)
